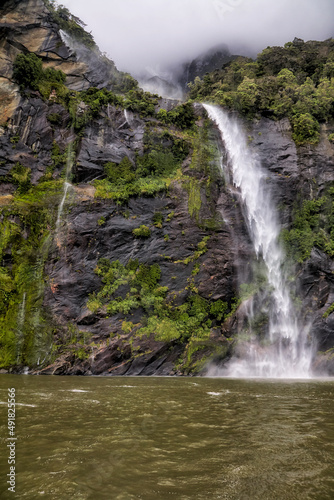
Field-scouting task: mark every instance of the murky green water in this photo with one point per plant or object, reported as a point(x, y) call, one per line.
point(169, 438)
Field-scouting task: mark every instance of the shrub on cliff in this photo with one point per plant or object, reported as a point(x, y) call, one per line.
point(28, 71)
point(142, 232)
point(182, 116)
point(141, 102)
point(20, 176)
point(305, 129)
point(120, 174)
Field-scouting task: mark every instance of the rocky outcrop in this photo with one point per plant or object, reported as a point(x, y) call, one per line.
point(29, 27)
point(115, 134)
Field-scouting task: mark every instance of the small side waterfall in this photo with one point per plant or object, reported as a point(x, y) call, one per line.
point(67, 186)
point(61, 204)
point(22, 312)
point(20, 325)
point(286, 351)
point(127, 117)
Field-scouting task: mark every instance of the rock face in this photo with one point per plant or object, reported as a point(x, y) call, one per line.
point(200, 210)
point(28, 26)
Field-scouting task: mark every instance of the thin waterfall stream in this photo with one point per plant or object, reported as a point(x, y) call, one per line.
point(67, 186)
point(286, 351)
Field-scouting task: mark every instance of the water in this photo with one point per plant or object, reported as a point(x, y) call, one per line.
point(67, 186)
point(125, 438)
point(287, 352)
point(22, 312)
point(127, 117)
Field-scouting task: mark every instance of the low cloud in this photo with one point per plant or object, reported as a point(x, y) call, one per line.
point(154, 34)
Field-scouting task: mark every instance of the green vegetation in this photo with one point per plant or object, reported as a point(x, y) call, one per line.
point(204, 172)
point(28, 72)
point(25, 329)
point(129, 287)
point(194, 197)
point(158, 219)
point(313, 225)
point(328, 311)
point(120, 81)
point(141, 281)
point(182, 116)
point(54, 119)
point(85, 105)
point(20, 176)
point(141, 102)
point(151, 173)
point(201, 250)
point(74, 342)
point(170, 216)
point(305, 129)
point(58, 158)
point(148, 186)
point(294, 81)
point(122, 173)
point(142, 232)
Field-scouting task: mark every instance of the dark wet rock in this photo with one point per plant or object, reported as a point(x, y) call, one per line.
point(112, 136)
point(324, 364)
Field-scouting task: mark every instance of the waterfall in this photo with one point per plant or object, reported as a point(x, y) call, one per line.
point(22, 312)
point(67, 185)
point(126, 116)
point(61, 204)
point(286, 351)
point(20, 325)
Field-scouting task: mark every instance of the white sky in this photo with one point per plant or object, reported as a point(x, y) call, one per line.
point(142, 34)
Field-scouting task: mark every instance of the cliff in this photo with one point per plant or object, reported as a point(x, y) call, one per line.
point(122, 245)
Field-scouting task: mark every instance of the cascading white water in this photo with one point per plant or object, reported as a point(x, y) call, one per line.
point(20, 324)
point(22, 313)
point(127, 117)
point(61, 204)
point(67, 186)
point(287, 352)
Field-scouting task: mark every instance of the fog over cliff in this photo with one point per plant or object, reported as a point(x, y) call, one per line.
point(153, 34)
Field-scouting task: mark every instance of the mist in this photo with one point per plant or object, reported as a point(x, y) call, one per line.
point(152, 35)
